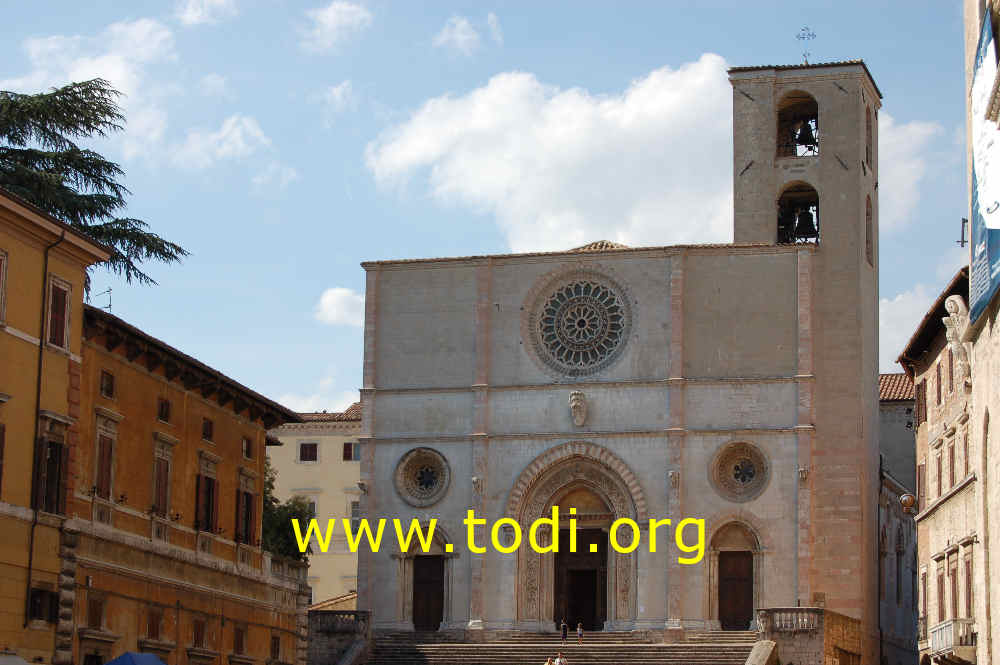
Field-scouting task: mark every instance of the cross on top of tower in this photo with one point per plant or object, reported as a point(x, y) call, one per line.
point(805, 36)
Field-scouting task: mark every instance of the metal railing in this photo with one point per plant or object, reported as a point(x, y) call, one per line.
point(952, 633)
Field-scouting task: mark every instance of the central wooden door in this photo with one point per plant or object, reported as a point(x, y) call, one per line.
point(428, 592)
point(735, 590)
point(581, 580)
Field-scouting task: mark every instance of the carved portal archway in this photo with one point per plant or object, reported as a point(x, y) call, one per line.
point(559, 472)
point(733, 535)
point(405, 586)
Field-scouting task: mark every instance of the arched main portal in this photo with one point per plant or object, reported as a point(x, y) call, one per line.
point(735, 570)
point(603, 489)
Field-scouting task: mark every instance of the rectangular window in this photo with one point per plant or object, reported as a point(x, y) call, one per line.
point(244, 517)
point(3, 285)
point(951, 371)
point(239, 640)
point(308, 452)
point(355, 515)
point(357, 452)
point(95, 611)
point(923, 594)
point(43, 605)
point(198, 639)
point(940, 475)
point(58, 334)
point(921, 486)
point(275, 647)
point(161, 486)
point(154, 617)
point(951, 464)
point(921, 395)
point(205, 489)
point(163, 410)
point(49, 481)
point(102, 486)
point(937, 381)
point(107, 384)
point(953, 574)
point(2, 431)
point(247, 448)
point(965, 452)
point(348, 451)
point(968, 585)
point(207, 429)
point(940, 594)
point(312, 508)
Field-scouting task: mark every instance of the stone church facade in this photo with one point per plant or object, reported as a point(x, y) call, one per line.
point(736, 383)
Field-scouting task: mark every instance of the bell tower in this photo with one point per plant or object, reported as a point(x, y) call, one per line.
point(805, 175)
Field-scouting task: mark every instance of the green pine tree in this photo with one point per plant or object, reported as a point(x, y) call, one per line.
point(277, 536)
point(41, 163)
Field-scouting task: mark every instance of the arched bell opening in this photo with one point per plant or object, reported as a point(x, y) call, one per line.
point(798, 125)
point(798, 214)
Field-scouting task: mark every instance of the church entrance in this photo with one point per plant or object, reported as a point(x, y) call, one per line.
point(428, 592)
point(735, 590)
point(580, 592)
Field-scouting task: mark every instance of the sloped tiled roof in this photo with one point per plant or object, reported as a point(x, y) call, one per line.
point(599, 246)
point(810, 65)
point(353, 413)
point(894, 387)
point(342, 602)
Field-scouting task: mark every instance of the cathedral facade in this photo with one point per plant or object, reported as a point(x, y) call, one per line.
point(734, 383)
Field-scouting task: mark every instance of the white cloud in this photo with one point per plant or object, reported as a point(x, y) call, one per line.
point(340, 306)
point(339, 98)
point(332, 24)
point(239, 136)
point(323, 399)
point(122, 54)
point(275, 176)
point(495, 31)
point(214, 85)
point(194, 12)
point(458, 34)
point(903, 158)
point(560, 168)
point(898, 318)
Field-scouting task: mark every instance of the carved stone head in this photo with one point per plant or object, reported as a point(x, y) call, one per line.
point(578, 407)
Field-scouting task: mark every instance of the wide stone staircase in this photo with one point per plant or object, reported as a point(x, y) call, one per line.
point(599, 648)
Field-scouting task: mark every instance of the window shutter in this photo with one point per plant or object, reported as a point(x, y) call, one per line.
point(251, 530)
point(63, 479)
point(162, 478)
point(238, 522)
point(214, 505)
point(57, 317)
point(38, 479)
point(2, 429)
point(921, 485)
point(104, 467)
point(198, 507)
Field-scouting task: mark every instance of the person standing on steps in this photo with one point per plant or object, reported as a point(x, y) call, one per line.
point(564, 629)
point(560, 660)
point(579, 633)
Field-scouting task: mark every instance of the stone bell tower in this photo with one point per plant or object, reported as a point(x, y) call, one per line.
point(806, 174)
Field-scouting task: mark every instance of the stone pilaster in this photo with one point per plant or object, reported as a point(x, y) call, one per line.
point(69, 538)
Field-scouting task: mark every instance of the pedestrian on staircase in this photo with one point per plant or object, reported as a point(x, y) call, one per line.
point(564, 629)
point(579, 633)
point(548, 661)
point(560, 660)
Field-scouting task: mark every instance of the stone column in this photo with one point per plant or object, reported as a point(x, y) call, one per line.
point(69, 539)
point(675, 437)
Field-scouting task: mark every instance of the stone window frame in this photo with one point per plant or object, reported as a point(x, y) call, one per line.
point(105, 425)
point(4, 262)
point(298, 452)
point(208, 467)
point(247, 484)
point(163, 448)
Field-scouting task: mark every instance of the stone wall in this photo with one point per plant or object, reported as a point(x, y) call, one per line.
point(333, 632)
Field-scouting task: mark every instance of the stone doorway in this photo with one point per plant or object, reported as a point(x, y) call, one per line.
point(735, 590)
point(581, 580)
point(428, 592)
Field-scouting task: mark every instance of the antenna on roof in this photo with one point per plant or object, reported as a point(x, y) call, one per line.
point(961, 242)
point(106, 292)
point(805, 36)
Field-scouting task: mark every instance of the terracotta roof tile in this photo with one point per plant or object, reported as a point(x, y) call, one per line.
point(599, 246)
point(894, 387)
point(353, 413)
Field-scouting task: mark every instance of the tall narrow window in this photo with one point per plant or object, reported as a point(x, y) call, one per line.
point(951, 370)
point(937, 381)
point(275, 647)
point(58, 333)
point(198, 638)
point(869, 232)
point(49, 481)
point(247, 448)
point(940, 474)
point(239, 640)
point(205, 490)
point(348, 451)
point(921, 395)
point(921, 486)
point(923, 594)
point(207, 429)
point(245, 530)
point(107, 384)
point(308, 452)
point(154, 617)
point(161, 486)
point(105, 446)
point(3, 285)
point(163, 410)
point(953, 574)
point(355, 515)
point(951, 464)
point(965, 452)
point(968, 585)
point(868, 136)
point(940, 594)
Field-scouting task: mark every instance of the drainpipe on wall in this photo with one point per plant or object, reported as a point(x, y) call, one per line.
point(878, 550)
point(34, 439)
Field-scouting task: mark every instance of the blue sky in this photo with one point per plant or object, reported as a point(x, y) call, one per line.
point(282, 143)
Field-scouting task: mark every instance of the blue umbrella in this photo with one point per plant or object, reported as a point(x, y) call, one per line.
point(133, 658)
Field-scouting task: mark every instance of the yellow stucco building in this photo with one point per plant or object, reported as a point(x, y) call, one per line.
point(43, 267)
point(319, 460)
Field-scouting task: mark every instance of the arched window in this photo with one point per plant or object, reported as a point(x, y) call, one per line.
point(869, 232)
point(798, 214)
point(868, 136)
point(798, 125)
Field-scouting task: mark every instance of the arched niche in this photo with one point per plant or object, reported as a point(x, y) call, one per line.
point(798, 214)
